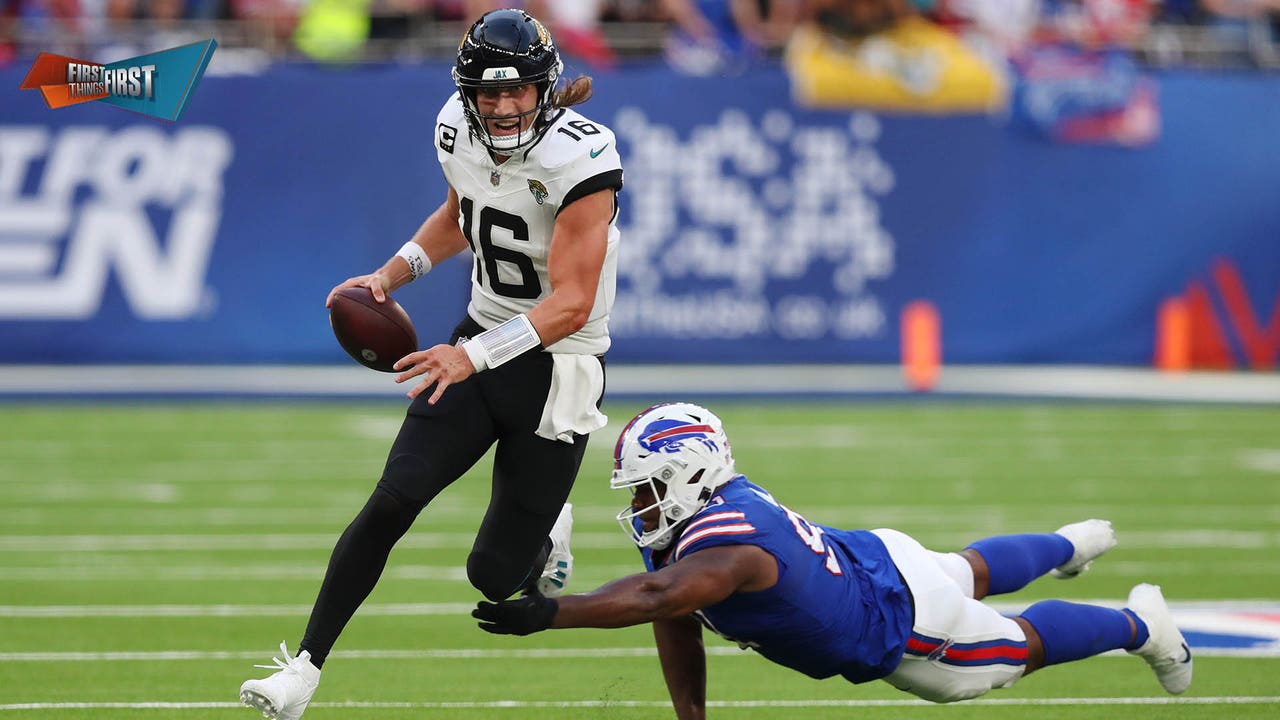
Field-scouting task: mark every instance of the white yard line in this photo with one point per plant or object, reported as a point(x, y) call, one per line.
point(445, 608)
point(932, 516)
point(458, 654)
point(197, 573)
point(1044, 381)
point(661, 704)
point(101, 611)
point(585, 577)
point(1136, 539)
point(252, 541)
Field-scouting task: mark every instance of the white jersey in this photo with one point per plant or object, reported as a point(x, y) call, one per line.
point(509, 214)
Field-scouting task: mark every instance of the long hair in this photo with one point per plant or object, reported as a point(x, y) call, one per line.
point(572, 92)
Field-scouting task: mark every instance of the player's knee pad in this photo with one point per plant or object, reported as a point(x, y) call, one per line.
point(495, 576)
point(405, 477)
point(387, 510)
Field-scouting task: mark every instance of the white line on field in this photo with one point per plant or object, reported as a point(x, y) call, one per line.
point(1187, 538)
point(453, 654)
point(85, 611)
point(1039, 381)
point(518, 704)
point(260, 542)
point(1183, 611)
point(425, 654)
point(1014, 517)
point(596, 574)
point(197, 573)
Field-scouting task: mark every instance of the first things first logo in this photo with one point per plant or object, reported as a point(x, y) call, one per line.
point(159, 84)
point(94, 81)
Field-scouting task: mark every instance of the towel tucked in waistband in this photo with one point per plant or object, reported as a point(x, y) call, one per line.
point(577, 382)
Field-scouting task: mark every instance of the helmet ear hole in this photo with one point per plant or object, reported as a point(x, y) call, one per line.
point(695, 478)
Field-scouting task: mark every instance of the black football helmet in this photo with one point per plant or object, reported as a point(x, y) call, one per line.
point(507, 48)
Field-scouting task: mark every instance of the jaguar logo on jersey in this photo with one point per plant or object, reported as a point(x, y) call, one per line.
point(159, 84)
point(538, 189)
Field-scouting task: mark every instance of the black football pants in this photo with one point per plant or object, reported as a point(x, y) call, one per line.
point(437, 444)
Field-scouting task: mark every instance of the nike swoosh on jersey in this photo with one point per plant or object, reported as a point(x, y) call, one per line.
point(596, 153)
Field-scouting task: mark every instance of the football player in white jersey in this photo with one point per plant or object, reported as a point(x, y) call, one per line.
point(532, 195)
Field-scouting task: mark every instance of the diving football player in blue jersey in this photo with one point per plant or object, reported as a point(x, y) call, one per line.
point(722, 553)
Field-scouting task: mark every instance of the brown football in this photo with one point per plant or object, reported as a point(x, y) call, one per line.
point(375, 334)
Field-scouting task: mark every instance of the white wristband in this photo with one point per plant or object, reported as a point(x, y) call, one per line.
point(419, 263)
point(495, 346)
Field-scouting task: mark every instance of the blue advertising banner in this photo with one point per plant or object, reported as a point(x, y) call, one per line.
point(752, 230)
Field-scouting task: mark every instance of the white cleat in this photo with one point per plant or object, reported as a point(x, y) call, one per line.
point(559, 567)
point(1165, 650)
point(1090, 538)
point(285, 694)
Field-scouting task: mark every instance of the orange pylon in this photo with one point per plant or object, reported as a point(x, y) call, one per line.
point(921, 345)
point(1173, 336)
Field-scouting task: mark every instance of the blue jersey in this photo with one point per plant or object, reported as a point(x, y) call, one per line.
point(839, 606)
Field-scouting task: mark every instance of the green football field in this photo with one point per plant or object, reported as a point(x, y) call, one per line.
point(150, 555)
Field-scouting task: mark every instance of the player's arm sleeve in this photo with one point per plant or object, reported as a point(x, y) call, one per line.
point(684, 665)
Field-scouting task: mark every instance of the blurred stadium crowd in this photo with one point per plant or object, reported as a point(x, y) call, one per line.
point(696, 36)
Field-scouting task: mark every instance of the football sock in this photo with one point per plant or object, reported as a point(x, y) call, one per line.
point(530, 582)
point(1015, 560)
point(1071, 631)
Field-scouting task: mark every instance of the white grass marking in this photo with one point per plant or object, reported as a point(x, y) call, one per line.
point(1139, 539)
point(595, 574)
point(459, 654)
point(1166, 568)
point(1261, 460)
point(188, 518)
point(375, 427)
point(261, 542)
point(976, 519)
point(659, 704)
point(1202, 538)
point(97, 611)
point(647, 380)
point(425, 654)
point(196, 573)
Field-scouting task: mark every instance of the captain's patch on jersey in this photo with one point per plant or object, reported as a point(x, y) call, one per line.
point(448, 134)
